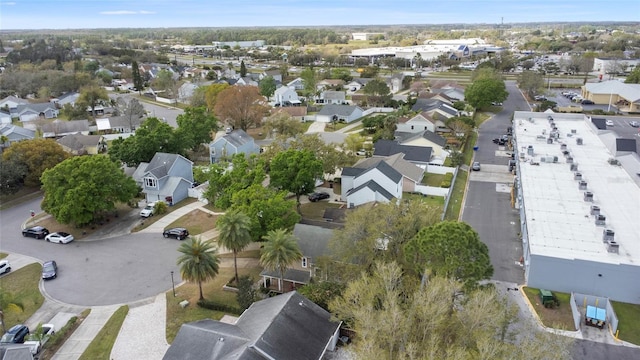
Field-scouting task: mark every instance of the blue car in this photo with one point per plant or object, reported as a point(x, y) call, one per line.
point(49, 270)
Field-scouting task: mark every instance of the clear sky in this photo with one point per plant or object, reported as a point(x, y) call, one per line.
point(77, 14)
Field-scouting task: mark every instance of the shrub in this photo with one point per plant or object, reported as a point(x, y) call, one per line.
point(445, 184)
point(213, 305)
point(246, 294)
point(160, 208)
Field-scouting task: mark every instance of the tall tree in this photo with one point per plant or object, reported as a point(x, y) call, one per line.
point(283, 124)
point(482, 92)
point(310, 79)
point(37, 155)
point(227, 178)
point(195, 126)
point(233, 228)
point(240, 106)
point(93, 95)
point(81, 189)
point(131, 109)
point(377, 91)
point(279, 252)
point(530, 82)
point(151, 137)
point(198, 262)
point(634, 76)
point(138, 82)
point(452, 249)
point(243, 69)
point(12, 176)
point(211, 94)
point(267, 86)
point(295, 171)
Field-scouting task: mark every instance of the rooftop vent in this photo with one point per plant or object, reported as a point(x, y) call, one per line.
point(582, 185)
point(595, 210)
point(601, 220)
point(579, 141)
point(573, 166)
point(613, 247)
point(563, 147)
point(577, 176)
point(608, 235)
point(569, 160)
point(574, 131)
point(588, 196)
point(565, 152)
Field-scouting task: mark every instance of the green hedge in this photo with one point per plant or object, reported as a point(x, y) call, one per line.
point(213, 305)
point(446, 182)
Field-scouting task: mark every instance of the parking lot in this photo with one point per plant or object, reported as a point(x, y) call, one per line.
point(562, 101)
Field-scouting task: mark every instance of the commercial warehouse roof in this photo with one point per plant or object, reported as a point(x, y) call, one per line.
point(559, 220)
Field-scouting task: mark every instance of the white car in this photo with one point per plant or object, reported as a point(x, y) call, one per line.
point(609, 123)
point(5, 267)
point(148, 210)
point(59, 237)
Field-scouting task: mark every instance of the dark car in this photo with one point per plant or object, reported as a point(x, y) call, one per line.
point(37, 232)
point(587, 102)
point(15, 335)
point(317, 196)
point(176, 233)
point(49, 270)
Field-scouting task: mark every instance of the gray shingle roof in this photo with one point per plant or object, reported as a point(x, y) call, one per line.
point(340, 110)
point(626, 145)
point(18, 130)
point(313, 241)
point(237, 138)
point(374, 187)
point(160, 164)
point(397, 162)
point(65, 127)
point(411, 153)
point(37, 107)
point(79, 141)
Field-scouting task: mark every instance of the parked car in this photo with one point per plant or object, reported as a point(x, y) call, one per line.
point(176, 233)
point(36, 341)
point(475, 166)
point(317, 196)
point(37, 232)
point(49, 270)
point(540, 98)
point(496, 103)
point(15, 335)
point(59, 237)
point(586, 102)
point(148, 210)
point(609, 123)
point(5, 267)
point(634, 124)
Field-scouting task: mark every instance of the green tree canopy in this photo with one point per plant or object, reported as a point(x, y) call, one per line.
point(198, 262)
point(267, 86)
point(37, 155)
point(226, 179)
point(138, 82)
point(93, 95)
point(452, 249)
point(233, 228)
point(151, 137)
point(240, 106)
point(310, 79)
point(634, 76)
point(81, 189)
point(482, 92)
point(195, 127)
point(12, 176)
point(530, 82)
point(295, 171)
point(283, 124)
point(279, 252)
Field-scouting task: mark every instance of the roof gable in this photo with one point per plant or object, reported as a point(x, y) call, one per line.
point(237, 138)
point(411, 153)
point(161, 163)
point(334, 109)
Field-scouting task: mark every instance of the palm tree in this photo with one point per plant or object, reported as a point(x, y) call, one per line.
point(198, 262)
point(234, 234)
point(280, 251)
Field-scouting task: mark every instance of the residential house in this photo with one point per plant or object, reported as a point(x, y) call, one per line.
point(411, 173)
point(296, 112)
point(418, 155)
point(357, 84)
point(10, 351)
point(378, 183)
point(285, 96)
point(247, 80)
point(11, 103)
point(15, 133)
point(119, 124)
point(31, 112)
point(60, 128)
point(68, 98)
point(235, 142)
point(275, 74)
point(416, 124)
point(167, 178)
point(436, 109)
point(287, 326)
point(5, 117)
point(329, 84)
point(394, 82)
point(428, 139)
point(452, 89)
point(185, 92)
point(442, 96)
point(313, 242)
point(297, 84)
point(332, 97)
point(79, 144)
point(340, 113)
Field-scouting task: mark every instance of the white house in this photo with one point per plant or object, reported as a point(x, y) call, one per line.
point(285, 96)
point(380, 183)
point(340, 113)
point(416, 124)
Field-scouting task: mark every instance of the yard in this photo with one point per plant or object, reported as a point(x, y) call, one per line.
point(431, 179)
point(197, 222)
point(455, 202)
point(557, 318)
point(629, 321)
point(21, 287)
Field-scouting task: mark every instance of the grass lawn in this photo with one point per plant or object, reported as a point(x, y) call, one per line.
point(482, 117)
point(100, 347)
point(430, 179)
point(253, 254)
point(468, 148)
point(455, 203)
point(315, 210)
point(22, 288)
point(628, 321)
point(436, 201)
point(152, 219)
point(3, 255)
point(196, 222)
point(557, 318)
point(212, 290)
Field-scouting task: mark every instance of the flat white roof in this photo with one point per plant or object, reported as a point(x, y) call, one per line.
point(558, 219)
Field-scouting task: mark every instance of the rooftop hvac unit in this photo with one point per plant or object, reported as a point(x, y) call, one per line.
point(613, 247)
point(550, 141)
point(582, 185)
point(569, 160)
point(608, 235)
point(601, 220)
point(530, 150)
point(550, 118)
point(563, 147)
point(588, 196)
point(573, 167)
point(595, 210)
point(577, 176)
point(565, 153)
point(574, 131)
point(579, 141)
point(544, 131)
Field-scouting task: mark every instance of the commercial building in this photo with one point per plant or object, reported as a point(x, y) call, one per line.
point(431, 49)
point(578, 193)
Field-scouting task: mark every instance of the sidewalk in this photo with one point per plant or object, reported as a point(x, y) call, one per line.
point(161, 224)
point(73, 348)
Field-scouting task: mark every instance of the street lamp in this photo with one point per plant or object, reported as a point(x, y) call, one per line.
point(173, 285)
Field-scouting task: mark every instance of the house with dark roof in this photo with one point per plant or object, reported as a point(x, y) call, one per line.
point(235, 142)
point(275, 74)
point(340, 113)
point(287, 326)
point(357, 84)
point(411, 174)
point(60, 128)
point(433, 107)
point(67, 98)
point(427, 139)
point(31, 112)
point(119, 124)
point(15, 352)
point(377, 183)
point(313, 242)
point(248, 80)
point(167, 177)
point(419, 123)
point(296, 84)
point(15, 133)
point(418, 155)
point(79, 144)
